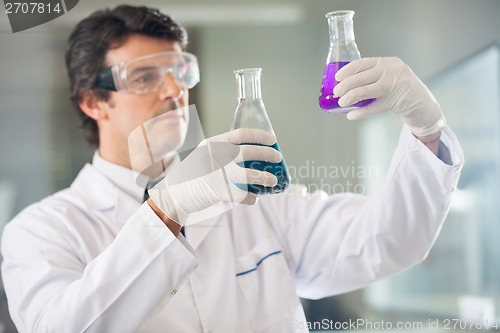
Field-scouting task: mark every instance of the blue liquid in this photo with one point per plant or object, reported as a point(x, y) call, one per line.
point(278, 169)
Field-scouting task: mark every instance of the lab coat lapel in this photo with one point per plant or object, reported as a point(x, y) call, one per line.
point(196, 233)
point(99, 193)
point(200, 224)
point(125, 207)
point(93, 189)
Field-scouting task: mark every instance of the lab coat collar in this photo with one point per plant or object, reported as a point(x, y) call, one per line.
point(128, 180)
point(94, 189)
point(121, 177)
point(97, 192)
point(105, 185)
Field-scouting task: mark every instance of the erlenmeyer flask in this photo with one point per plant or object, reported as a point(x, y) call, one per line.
point(251, 113)
point(343, 50)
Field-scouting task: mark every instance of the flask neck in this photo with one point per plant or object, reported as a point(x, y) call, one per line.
point(340, 26)
point(248, 83)
point(250, 110)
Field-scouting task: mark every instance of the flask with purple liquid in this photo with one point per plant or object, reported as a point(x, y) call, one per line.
point(343, 50)
point(251, 113)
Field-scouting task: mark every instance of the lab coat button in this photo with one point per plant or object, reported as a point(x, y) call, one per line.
point(173, 292)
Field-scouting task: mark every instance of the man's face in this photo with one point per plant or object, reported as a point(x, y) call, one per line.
point(146, 116)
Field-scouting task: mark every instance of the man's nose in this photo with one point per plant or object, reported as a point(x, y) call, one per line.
point(170, 88)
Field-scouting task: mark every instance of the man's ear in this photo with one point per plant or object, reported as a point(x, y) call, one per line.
point(92, 106)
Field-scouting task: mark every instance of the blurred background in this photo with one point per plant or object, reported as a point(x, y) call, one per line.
point(452, 45)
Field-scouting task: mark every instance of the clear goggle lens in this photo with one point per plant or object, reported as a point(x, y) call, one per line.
point(146, 74)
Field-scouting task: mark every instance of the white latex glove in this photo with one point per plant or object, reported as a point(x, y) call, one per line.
point(396, 88)
point(207, 175)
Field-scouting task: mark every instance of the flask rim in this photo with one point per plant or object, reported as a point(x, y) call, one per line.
point(248, 70)
point(338, 13)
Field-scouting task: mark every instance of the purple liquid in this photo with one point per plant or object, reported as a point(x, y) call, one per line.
point(327, 100)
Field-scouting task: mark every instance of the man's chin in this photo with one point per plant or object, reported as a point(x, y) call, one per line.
point(154, 155)
point(158, 138)
point(164, 144)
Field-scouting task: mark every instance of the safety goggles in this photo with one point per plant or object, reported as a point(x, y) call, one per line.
point(147, 74)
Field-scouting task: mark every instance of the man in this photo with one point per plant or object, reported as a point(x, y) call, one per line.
point(95, 258)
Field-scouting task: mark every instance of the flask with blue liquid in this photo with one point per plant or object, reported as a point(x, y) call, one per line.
point(251, 113)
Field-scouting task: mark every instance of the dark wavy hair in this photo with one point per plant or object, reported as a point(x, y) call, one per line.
point(91, 39)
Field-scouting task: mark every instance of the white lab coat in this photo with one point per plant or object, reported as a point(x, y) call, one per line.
point(93, 258)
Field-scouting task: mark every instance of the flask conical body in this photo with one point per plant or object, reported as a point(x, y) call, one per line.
point(343, 50)
point(251, 113)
